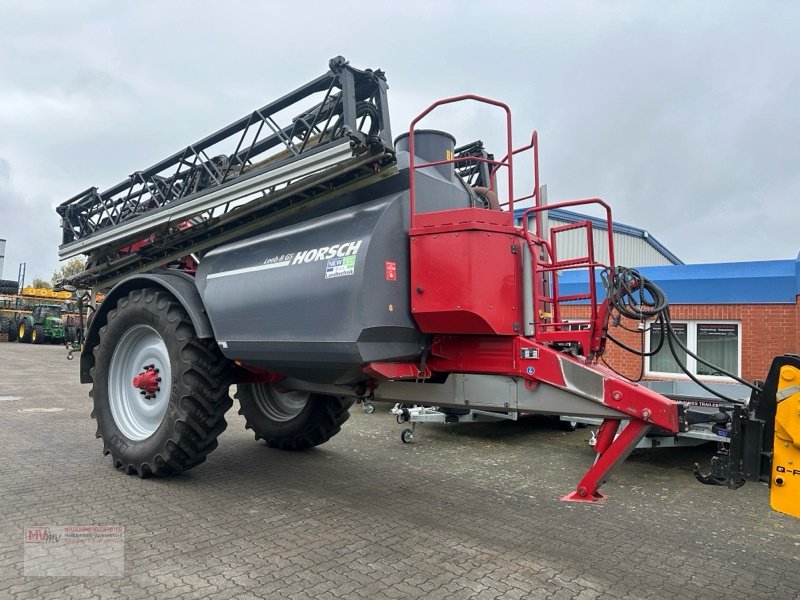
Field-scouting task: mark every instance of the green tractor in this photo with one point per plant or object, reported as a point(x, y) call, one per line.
point(43, 325)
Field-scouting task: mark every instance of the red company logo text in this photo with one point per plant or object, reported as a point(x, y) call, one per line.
point(40, 535)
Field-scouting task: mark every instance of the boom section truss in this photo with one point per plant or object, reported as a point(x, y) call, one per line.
point(262, 156)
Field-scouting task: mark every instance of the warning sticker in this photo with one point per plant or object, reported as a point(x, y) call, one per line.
point(391, 271)
point(340, 267)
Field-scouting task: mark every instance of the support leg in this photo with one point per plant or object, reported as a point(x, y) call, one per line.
point(607, 458)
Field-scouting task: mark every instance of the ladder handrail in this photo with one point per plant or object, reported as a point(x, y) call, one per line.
point(553, 330)
point(583, 201)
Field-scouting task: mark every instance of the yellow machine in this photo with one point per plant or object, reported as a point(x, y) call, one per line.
point(764, 436)
point(785, 491)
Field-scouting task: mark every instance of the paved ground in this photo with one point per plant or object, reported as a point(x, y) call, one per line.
point(469, 512)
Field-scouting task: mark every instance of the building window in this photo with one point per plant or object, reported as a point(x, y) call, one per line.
point(717, 342)
point(571, 325)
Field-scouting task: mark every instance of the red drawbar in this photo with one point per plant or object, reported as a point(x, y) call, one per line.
point(538, 363)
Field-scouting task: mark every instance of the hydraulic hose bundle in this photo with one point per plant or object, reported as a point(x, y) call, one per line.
point(635, 297)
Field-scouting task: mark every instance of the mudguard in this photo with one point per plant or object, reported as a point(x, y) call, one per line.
point(176, 283)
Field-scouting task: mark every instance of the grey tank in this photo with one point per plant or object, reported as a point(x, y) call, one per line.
point(320, 298)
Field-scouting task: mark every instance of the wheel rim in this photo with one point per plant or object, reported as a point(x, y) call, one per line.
point(138, 417)
point(34, 336)
point(21, 332)
point(279, 405)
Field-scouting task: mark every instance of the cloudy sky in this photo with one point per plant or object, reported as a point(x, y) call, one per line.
point(685, 116)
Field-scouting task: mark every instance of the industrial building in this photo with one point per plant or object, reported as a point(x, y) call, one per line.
point(632, 245)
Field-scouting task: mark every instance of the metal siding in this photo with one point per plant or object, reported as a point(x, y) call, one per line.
point(629, 251)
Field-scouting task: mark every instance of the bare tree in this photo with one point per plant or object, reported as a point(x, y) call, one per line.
point(68, 269)
point(38, 282)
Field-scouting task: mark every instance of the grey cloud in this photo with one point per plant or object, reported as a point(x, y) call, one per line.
point(27, 225)
point(683, 116)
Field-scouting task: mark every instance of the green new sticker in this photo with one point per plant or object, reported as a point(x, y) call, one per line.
point(340, 267)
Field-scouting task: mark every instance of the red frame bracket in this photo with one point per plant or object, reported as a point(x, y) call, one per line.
point(397, 371)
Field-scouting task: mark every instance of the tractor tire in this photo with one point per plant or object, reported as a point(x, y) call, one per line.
point(8, 286)
point(70, 334)
point(149, 333)
point(37, 335)
point(24, 332)
point(291, 420)
point(12, 330)
point(5, 322)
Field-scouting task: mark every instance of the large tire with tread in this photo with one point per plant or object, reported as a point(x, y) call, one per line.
point(5, 324)
point(8, 286)
point(291, 420)
point(37, 335)
point(191, 408)
point(24, 332)
point(12, 329)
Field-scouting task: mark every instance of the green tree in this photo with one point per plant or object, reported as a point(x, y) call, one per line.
point(72, 267)
point(38, 282)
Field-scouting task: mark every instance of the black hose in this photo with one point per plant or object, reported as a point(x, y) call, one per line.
point(636, 380)
point(637, 298)
point(641, 352)
point(704, 361)
point(633, 295)
point(695, 379)
point(363, 109)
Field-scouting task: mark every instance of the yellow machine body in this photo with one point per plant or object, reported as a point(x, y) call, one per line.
point(785, 488)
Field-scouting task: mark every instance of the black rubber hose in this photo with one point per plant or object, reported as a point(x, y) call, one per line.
point(637, 298)
point(695, 379)
point(703, 361)
point(642, 353)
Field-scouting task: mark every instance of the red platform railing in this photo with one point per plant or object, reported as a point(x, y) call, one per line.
point(507, 162)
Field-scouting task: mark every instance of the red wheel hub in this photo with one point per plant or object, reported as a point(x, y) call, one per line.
point(147, 381)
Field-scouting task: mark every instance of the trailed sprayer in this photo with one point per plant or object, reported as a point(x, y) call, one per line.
point(312, 259)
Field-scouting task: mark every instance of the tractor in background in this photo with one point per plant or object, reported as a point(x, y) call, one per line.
point(42, 325)
point(53, 310)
